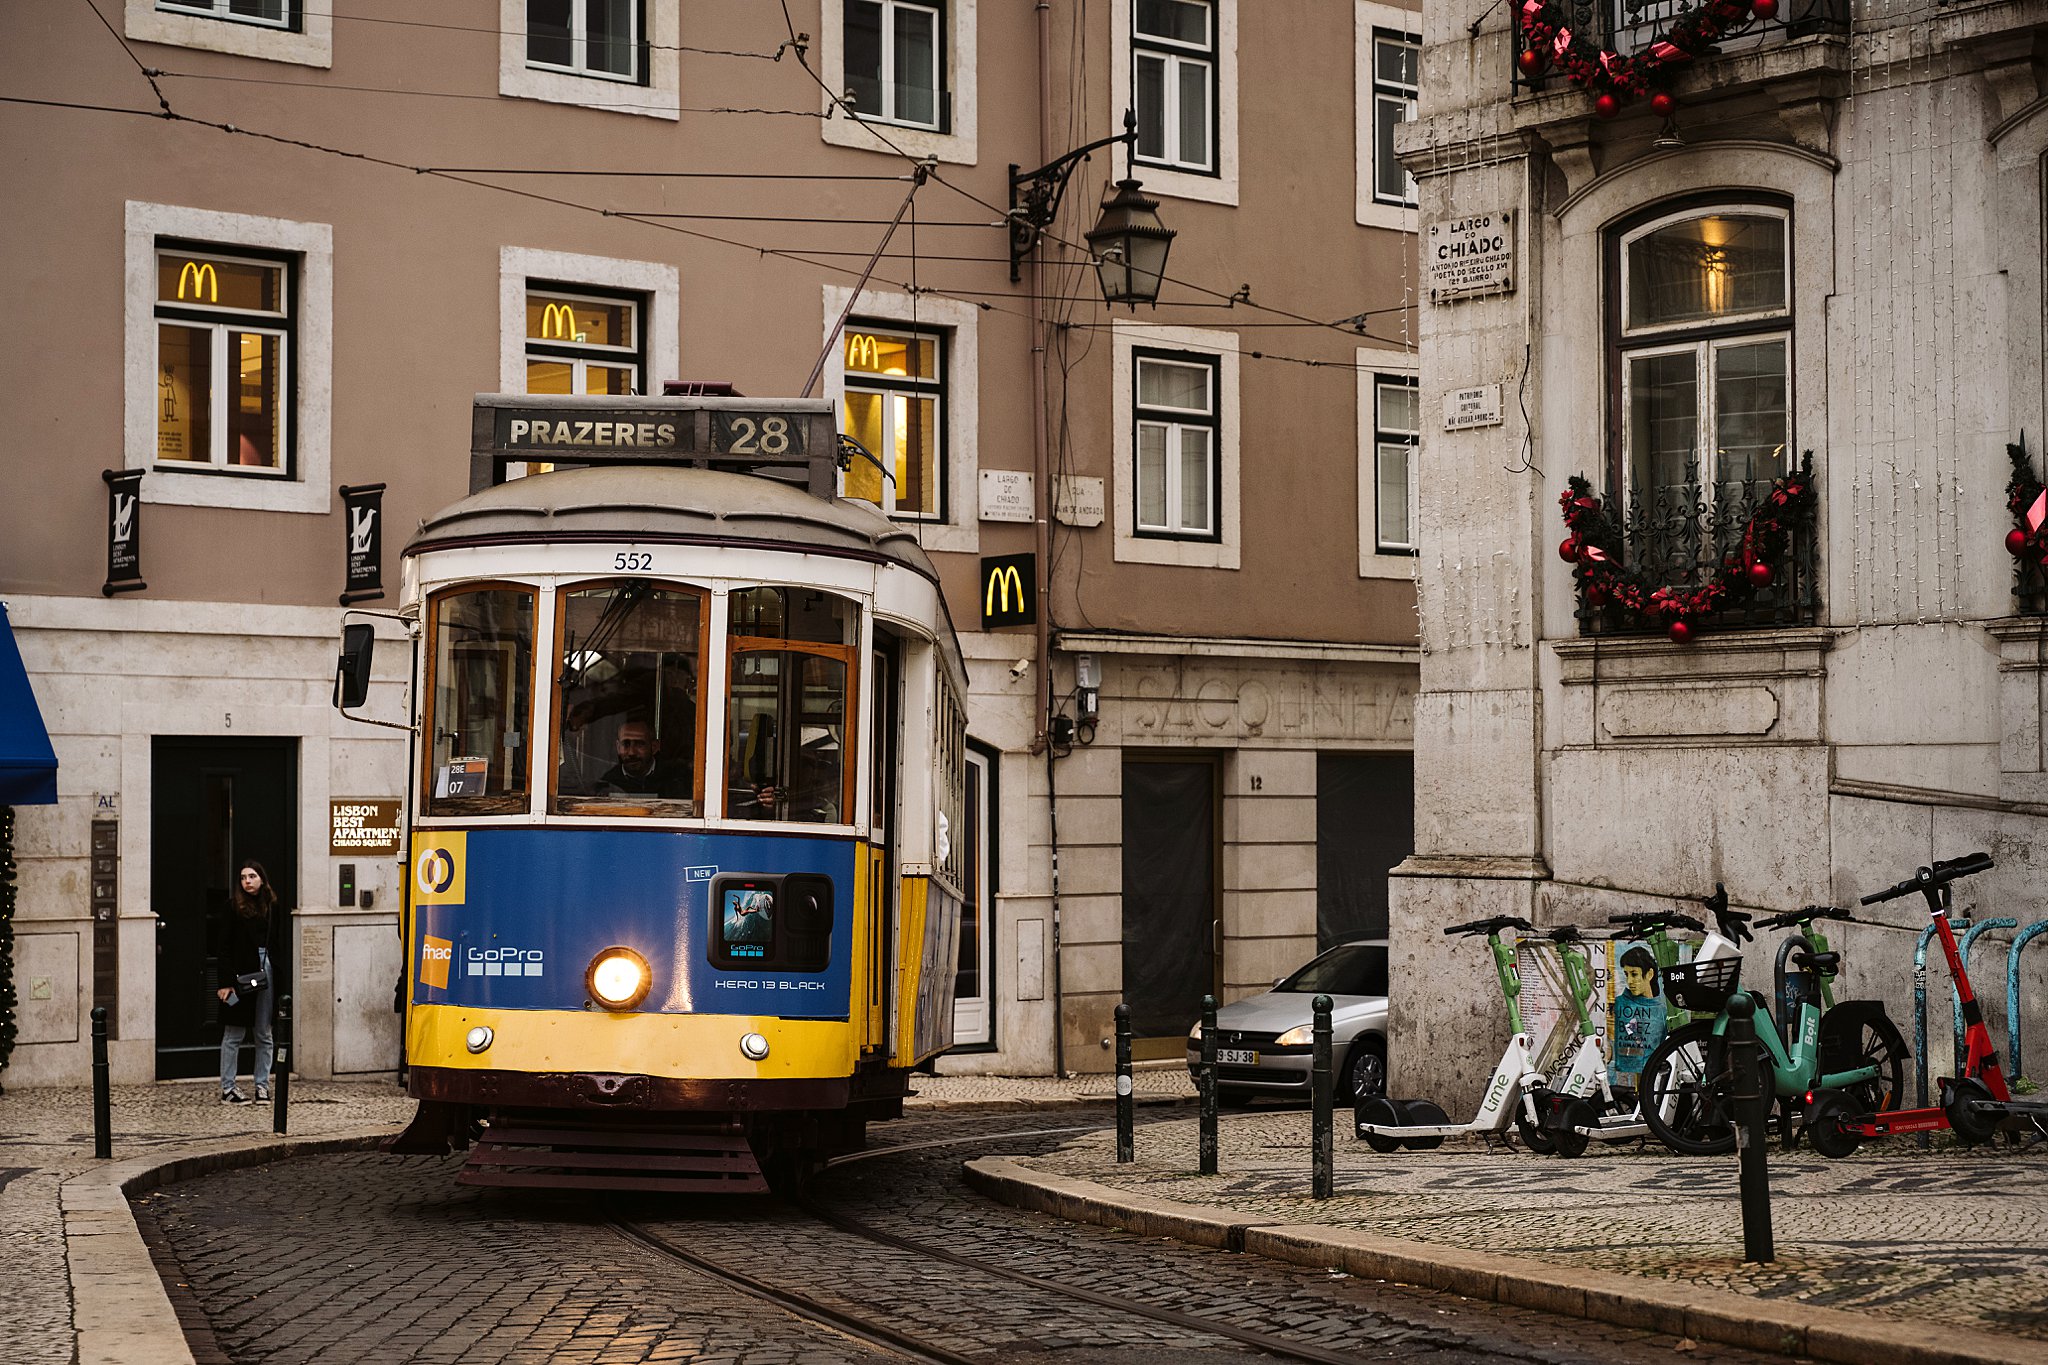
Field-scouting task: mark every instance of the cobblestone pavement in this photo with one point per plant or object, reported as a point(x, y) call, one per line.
point(363, 1257)
point(1957, 1236)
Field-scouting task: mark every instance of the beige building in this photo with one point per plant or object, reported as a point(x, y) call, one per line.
point(277, 247)
point(1831, 244)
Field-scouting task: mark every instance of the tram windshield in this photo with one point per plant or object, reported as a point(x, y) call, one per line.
point(626, 686)
point(788, 700)
point(482, 664)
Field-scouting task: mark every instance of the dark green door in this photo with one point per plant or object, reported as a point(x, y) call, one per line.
point(1170, 901)
point(213, 802)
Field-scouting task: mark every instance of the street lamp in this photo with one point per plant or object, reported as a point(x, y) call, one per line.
point(1128, 242)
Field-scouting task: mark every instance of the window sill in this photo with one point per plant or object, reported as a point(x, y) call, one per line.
point(864, 134)
point(1779, 652)
point(659, 98)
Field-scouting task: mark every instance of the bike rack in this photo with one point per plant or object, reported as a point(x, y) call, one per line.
point(1920, 1012)
point(1998, 922)
point(2012, 988)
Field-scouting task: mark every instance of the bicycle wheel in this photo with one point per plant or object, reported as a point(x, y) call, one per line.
point(1878, 1044)
point(1684, 1092)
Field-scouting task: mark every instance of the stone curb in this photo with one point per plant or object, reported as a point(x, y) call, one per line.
point(120, 1311)
point(1606, 1296)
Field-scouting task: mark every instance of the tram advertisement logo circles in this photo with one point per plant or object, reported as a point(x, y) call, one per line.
point(439, 865)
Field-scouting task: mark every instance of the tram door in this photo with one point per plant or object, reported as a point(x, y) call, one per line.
point(881, 900)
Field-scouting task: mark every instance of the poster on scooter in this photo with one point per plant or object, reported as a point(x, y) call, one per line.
point(1627, 1009)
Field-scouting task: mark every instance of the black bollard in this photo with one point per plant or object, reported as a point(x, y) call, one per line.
point(102, 1092)
point(1207, 1085)
point(1126, 1141)
point(1752, 1103)
point(1319, 1100)
point(281, 1067)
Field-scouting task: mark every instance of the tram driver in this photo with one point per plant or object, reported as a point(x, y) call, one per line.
point(640, 770)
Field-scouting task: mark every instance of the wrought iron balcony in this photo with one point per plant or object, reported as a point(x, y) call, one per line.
point(1727, 557)
point(1629, 27)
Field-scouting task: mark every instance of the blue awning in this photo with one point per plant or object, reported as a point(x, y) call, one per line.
point(28, 765)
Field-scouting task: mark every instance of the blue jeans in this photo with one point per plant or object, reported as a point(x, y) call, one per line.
point(231, 1036)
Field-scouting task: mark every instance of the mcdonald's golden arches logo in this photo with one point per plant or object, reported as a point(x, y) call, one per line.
point(558, 323)
point(202, 279)
point(861, 351)
point(1009, 591)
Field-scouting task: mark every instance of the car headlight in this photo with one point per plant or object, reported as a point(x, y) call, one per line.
point(618, 978)
point(1195, 1033)
point(1296, 1036)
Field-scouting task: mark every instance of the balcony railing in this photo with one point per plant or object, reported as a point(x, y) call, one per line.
point(1631, 26)
point(1687, 538)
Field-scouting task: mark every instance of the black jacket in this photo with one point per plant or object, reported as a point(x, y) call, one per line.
point(238, 956)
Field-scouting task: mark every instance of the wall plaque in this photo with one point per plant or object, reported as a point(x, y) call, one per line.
point(1005, 495)
point(1465, 409)
point(1472, 255)
point(1078, 501)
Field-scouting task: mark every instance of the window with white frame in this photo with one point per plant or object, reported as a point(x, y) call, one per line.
point(1702, 330)
point(283, 14)
point(580, 341)
point(1175, 439)
point(601, 38)
point(895, 399)
point(1396, 60)
point(1397, 437)
point(223, 360)
point(896, 62)
point(1173, 82)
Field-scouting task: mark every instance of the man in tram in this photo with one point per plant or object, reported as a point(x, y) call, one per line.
point(640, 771)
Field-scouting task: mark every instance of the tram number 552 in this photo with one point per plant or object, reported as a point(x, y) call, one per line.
point(758, 433)
point(632, 559)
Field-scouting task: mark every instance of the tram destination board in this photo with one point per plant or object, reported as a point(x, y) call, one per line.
point(794, 439)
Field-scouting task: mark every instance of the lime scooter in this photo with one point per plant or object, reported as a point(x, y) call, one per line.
point(1519, 1078)
point(1975, 1104)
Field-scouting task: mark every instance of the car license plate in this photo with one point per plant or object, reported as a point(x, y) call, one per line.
point(1234, 1056)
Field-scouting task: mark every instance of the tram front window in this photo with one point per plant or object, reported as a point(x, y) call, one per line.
point(627, 682)
point(788, 702)
point(483, 671)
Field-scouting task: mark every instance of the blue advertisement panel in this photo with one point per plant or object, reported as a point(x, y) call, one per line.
point(511, 918)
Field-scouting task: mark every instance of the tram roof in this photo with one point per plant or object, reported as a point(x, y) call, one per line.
point(682, 505)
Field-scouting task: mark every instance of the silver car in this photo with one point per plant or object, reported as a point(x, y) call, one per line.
point(1264, 1044)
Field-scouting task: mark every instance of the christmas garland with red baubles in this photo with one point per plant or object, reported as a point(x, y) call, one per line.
point(1594, 549)
point(2027, 500)
point(1547, 40)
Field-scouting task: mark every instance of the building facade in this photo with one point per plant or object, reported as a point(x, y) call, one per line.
point(1781, 306)
point(279, 249)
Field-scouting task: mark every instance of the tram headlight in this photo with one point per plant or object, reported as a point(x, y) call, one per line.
point(754, 1046)
point(479, 1038)
point(618, 978)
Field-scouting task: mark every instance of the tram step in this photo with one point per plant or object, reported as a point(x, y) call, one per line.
point(612, 1157)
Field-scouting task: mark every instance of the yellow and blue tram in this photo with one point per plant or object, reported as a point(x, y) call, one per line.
point(685, 856)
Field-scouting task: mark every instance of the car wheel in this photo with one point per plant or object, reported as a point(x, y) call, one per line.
point(1365, 1070)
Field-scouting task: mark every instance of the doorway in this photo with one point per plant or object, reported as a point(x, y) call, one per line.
point(1365, 826)
point(1170, 903)
point(973, 977)
point(212, 802)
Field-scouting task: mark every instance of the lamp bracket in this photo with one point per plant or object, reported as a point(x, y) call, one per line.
point(1035, 195)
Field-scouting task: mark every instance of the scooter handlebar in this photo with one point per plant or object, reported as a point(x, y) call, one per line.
point(1648, 920)
point(1935, 874)
point(1494, 925)
point(1804, 915)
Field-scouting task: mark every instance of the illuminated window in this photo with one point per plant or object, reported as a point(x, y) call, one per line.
point(1397, 433)
point(1176, 444)
point(223, 361)
point(1395, 59)
point(588, 37)
point(895, 399)
point(1173, 82)
point(283, 14)
point(581, 342)
point(895, 62)
point(1702, 349)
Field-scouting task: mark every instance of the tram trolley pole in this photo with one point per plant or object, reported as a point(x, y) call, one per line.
point(1752, 1107)
point(102, 1091)
point(1126, 1142)
point(281, 1068)
point(1325, 1177)
point(1205, 1086)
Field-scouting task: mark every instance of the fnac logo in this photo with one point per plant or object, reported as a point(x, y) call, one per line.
point(439, 863)
point(558, 322)
point(202, 279)
point(435, 955)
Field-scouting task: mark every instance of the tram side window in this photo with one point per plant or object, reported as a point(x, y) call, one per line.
point(631, 653)
point(788, 703)
point(482, 702)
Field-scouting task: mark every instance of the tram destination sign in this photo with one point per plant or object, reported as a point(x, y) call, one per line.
point(1470, 255)
point(792, 438)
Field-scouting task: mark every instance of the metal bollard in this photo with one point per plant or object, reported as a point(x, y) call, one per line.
point(1319, 1089)
point(102, 1092)
point(1752, 1107)
point(1126, 1140)
point(281, 1066)
point(2012, 989)
point(1206, 1085)
point(1976, 930)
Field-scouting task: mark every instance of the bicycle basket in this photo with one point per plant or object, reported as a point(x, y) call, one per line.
point(1703, 987)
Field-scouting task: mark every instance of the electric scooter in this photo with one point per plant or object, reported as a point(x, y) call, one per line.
point(1975, 1104)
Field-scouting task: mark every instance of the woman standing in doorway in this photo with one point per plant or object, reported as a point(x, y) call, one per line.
point(245, 991)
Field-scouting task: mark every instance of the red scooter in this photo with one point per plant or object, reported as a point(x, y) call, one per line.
point(1975, 1104)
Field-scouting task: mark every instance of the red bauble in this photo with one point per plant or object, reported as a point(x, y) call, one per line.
point(1606, 106)
point(1586, 504)
point(1763, 9)
point(1530, 60)
point(1680, 632)
point(1568, 550)
point(1661, 104)
point(1759, 575)
point(2015, 541)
